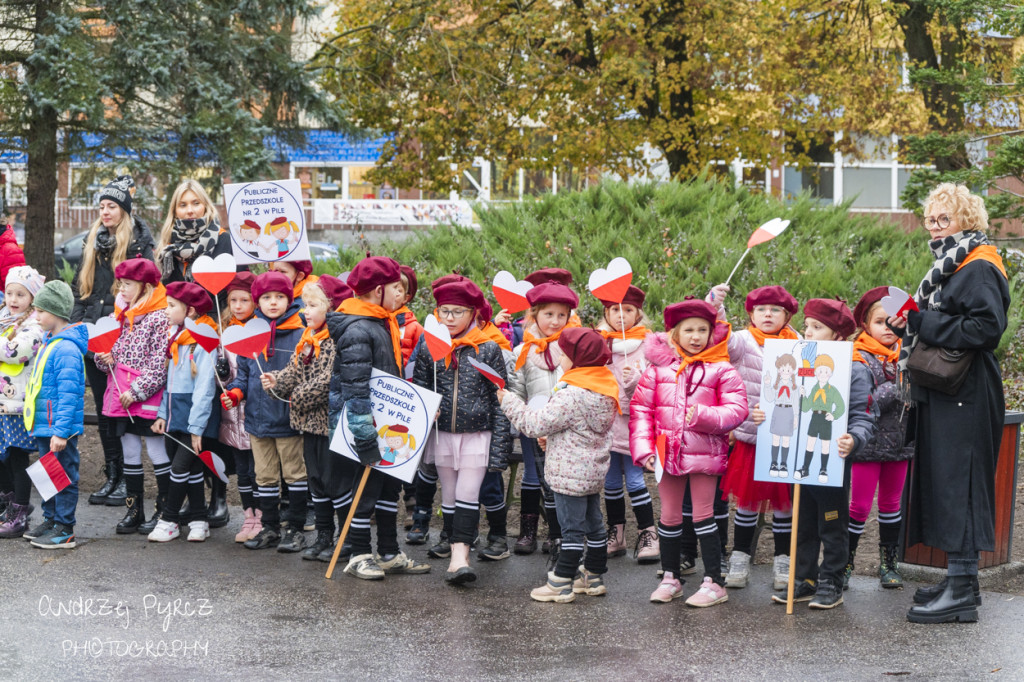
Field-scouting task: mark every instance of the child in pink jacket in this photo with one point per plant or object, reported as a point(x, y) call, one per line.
point(693, 397)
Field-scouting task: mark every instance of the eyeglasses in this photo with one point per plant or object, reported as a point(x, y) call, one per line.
point(942, 221)
point(453, 313)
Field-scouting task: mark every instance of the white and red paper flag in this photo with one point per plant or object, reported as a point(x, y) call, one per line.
point(248, 340)
point(214, 463)
point(204, 334)
point(898, 302)
point(48, 476)
point(770, 230)
point(439, 339)
point(103, 334)
point(489, 372)
point(510, 292)
point(213, 274)
point(611, 283)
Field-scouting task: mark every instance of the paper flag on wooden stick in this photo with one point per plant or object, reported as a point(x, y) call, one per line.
point(48, 476)
point(488, 372)
point(439, 340)
point(510, 292)
point(204, 334)
point(213, 274)
point(103, 334)
point(611, 283)
point(770, 230)
point(659, 457)
point(898, 302)
point(248, 340)
point(214, 463)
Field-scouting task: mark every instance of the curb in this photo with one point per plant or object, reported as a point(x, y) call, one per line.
point(987, 577)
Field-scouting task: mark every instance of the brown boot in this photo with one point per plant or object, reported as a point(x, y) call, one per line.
point(527, 542)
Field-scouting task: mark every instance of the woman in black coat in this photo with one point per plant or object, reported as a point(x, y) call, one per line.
point(963, 302)
point(114, 237)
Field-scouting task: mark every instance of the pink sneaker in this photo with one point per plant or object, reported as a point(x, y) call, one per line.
point(709, 594)
point(251, 527)
point(669, 589)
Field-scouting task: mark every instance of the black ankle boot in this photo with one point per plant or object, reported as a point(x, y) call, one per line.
point(100, 496)
point(119, 494)
point(218, 514)
point(923, 595)
point(146, 527)
point(133, 517)
point(955, 604)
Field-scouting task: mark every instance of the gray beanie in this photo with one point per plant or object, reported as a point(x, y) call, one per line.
point(55, 297)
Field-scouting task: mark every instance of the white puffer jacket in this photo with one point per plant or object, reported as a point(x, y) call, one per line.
point(626, 352)
point(534, 378)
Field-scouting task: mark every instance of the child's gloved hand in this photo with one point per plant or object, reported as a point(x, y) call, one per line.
point(231, 399)
point(223, 369)
point(361, 426)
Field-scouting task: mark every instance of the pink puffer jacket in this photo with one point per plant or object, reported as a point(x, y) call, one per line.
point(232, 422)
point(661, 402)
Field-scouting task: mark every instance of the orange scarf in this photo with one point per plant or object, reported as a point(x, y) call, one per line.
point(474, 337)
point(574, 321)
point(235, 322)
point(408, 313)
point(355, 306)
point(867, 343)
point(492, 333)
point(717, 353)
point(540, 343)
point(185, 338)
point(597, 379)
point(313, 339)
point(985, 252)
point(759, 336)
point(157, 301)
point(637, 333)
point(297, 290)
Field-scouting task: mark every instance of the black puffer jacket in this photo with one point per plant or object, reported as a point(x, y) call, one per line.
point(101, 301)
point(476, 403)
point(891, 417)
point(362, 344)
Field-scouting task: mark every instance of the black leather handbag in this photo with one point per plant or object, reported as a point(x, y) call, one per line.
point(939, 369)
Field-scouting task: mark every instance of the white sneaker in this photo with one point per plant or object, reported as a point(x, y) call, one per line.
point(739, 570)
point(198, 531)
point(780, 569)
point(165, 531)
point(823, 477)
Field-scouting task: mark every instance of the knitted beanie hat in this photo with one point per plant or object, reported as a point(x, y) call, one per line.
point(55, 297)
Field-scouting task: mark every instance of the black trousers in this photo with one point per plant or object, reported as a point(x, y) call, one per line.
point(187, 473)
point(824, 525)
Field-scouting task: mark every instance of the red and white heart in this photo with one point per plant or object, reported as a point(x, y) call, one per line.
point(248, 340)
point(488, 372)
point(659, 457)
point(205, 335)
point(214, 463)
point(439, 339)
point(510, 292)
point(770, 230)
point(103, 334)
point(611, 283)
point(898, 302)
point(213, 274)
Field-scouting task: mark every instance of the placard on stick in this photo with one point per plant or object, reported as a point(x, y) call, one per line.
point(403, 414)
point(266, 221)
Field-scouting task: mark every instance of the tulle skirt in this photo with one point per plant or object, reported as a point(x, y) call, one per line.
point(747, 493)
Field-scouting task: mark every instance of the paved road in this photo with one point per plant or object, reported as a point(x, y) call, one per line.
point(263, 615)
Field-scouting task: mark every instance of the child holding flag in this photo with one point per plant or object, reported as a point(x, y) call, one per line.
point(55, 407)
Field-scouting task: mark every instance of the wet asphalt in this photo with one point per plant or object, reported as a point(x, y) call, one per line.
point(118, 607)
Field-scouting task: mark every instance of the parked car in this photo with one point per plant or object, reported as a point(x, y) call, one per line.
point(69, 250)
point(322, 251)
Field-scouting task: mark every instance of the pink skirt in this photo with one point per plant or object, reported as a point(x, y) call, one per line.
point(459, 450)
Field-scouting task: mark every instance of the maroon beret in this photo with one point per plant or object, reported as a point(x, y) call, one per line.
point(689, 307)
point(303, 266)
point(410, 275)
point(552, 292)
point(866, 301)
point(335, 290)
point(773, 295)
point(192, 295)
point(486, 311)
point(464, 293)
point(550, 275)
point(447, 279)
point(242, 282)
point(833, 313)
point(138, 269)
point(373, 272)
point(585, 347)
point(635, 296)
point(272, 281)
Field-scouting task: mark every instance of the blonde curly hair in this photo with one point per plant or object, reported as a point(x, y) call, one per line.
point(967, 208)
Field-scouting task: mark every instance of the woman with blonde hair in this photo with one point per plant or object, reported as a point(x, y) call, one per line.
point(115, 237)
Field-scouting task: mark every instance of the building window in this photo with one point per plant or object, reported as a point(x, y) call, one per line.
point(818, 180)
point(867, 187)
point(358, 186)
point(320, 182)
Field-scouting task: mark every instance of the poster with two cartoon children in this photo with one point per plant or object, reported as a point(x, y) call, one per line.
point(805, 395)
point(266, 221)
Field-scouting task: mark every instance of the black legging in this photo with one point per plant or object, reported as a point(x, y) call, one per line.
point(111, 442)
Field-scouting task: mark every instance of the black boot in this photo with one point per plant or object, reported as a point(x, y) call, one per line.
point(218, 514)
point(324, 539)
point(954, 604)
point(133, 517)
point(119, 494)
point(100, 496)
point(146, 527)
point(923, 595)
point(527, 542)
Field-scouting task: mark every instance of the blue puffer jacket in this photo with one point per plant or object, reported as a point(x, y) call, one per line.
point(188, 402)
point(265, 415)
point(60, 404)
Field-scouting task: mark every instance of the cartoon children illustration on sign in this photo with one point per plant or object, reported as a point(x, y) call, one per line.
point(826, 405)
point(249, 236)
point(782, 392)
point(400, 445)
point(280, 228)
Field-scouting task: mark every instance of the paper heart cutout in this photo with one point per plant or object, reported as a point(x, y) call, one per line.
point(439, 340)
point(611, 283)
point(770, 230)
point(898, 302)
point(248, 340)
point(510, 292)
point(213, 274)
point(659, 458)
point(214, 463)
point(488, 372)
point(205, 335)
point(103, 334)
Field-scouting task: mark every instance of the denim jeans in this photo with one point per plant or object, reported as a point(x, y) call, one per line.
point(582, 528)
point(61, 507)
